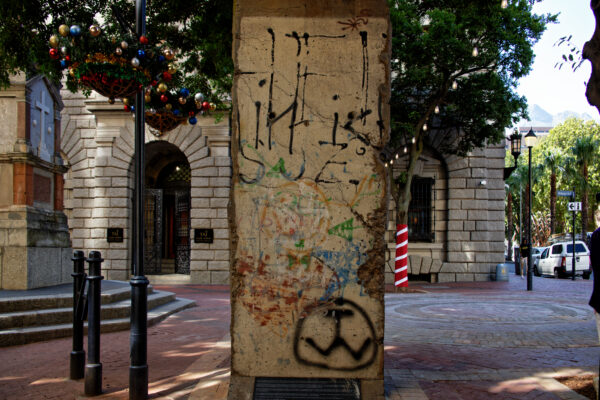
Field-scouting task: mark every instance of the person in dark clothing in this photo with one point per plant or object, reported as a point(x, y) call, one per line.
point(595, 259)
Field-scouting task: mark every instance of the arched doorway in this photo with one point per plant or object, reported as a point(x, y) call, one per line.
point(167, 210)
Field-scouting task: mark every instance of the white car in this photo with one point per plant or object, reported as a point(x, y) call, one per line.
point(557, 260)
point(535, 258)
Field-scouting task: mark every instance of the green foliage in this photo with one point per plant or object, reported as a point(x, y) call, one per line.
point(570, 141)
point(433, 44)
point(198, 30)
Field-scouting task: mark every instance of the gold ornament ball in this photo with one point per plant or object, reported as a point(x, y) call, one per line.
point(53, 41)
point(168, 107)
point(118, 51)
point(124, 44)
point(182, 100)
point(72, 73)
point(111, 100)
point(212, 106)
point(168, 53)
point(95, 30)
point(172, 68)
point(162, 87)
point(63, 30)
point(147, 98)
point(126, 101)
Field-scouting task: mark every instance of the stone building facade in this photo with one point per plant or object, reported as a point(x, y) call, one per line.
point(466, 207)
point(467, 200)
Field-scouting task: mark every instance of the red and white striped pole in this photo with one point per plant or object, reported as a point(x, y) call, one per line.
point(401, 266)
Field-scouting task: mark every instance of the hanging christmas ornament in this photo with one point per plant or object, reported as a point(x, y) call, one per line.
point(199, 97)
point(135, 62)
point(164, 98)
point(182, 100)
point(147, 98)
point(168, 53)
point(167, 77)
point(126, 108)
point(205, 105)
point(63, 64)
point(192, 120)
point(54, 54)
point(95, 30)
point(176, 112)
point(162, 87)
point(118, 51)
point(168, 106)
point(161, 58)
point(126, 101)
point(63, 50)
point(63, 30)
point(191, 113)
point(184, 92)
point(53, 41)
point(212, 107)
point(172, 68)
point(111, 100)
point(75, 30)
point(124, 45)
point(143, 40)
point(141, 54)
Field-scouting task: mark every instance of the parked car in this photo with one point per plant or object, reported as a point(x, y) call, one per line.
point(536, 253)
point(557, 260)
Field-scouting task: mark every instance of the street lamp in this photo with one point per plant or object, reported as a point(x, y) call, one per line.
point(530, 140)
point(515, 149)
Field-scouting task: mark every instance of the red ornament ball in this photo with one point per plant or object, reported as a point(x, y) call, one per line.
point(54, 54)
point(126, 108)
point(154, 83)
point(167, 76)
point(68, 58)
point(143, 40)
point(191, 113)
point(164, 98)
point(206, 105)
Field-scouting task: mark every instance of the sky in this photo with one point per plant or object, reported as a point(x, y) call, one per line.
point(560, 90)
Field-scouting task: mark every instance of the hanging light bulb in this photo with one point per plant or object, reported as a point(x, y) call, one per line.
point(436, 110)
point(396, 156)
point(454, 85)
point(412, 140)
point(391, 162)
point(424, 127)
point(405, 149)
point(475, 52)
point(386, 165)
point(504, 3)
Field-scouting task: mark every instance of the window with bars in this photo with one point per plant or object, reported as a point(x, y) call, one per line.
point(420, 210)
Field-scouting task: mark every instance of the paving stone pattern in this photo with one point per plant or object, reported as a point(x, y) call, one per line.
point(456, 341)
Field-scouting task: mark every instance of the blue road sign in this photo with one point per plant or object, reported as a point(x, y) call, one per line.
point(565, 193)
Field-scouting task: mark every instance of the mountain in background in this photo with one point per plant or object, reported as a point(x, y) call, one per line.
point(540, 117)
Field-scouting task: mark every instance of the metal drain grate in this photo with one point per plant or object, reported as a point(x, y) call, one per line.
point(306, 389)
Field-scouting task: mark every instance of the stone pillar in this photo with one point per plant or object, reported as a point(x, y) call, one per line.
point(309, 197)
point(34, 239)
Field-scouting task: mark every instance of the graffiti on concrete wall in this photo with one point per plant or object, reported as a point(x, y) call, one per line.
point(308, 131)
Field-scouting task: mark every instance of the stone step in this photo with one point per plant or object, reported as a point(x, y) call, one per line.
point(64, 315)
point(59, 297)
point(19, 336)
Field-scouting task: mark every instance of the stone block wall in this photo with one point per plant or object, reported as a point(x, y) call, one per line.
point(98, 144)
point(469, 219)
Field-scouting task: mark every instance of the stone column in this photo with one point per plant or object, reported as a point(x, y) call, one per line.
point(309, 197)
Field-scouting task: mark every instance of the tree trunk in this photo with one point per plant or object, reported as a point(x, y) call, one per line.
point(552, 203)
point(509, 223)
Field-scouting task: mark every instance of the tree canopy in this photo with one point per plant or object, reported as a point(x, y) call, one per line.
point(199, 31)
point(455, 67)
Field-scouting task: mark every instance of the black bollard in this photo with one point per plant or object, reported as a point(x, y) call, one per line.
point(77, 365)
point(93, 369)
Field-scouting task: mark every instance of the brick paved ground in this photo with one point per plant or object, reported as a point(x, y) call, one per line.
point(491, 340)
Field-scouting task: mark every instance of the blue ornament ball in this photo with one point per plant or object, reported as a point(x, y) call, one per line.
point(193, 120)
point(141, 53)
point(161, 58)
point(184, 92)
point(176, 112)
point(75, 30)
point(63, 64)
point(132, 108)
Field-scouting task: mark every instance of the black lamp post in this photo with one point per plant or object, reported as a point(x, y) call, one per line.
point(138, 369)
point(530, 140)
point(515, 149)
